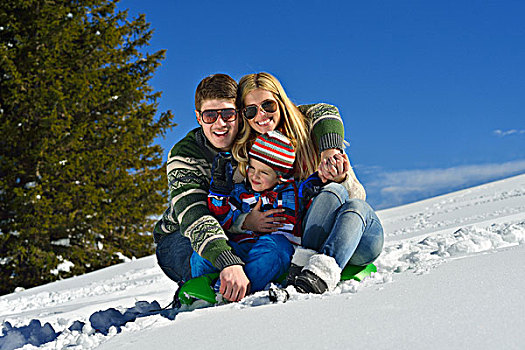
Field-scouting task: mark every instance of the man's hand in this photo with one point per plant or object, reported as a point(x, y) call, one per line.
point(234, 283)
point(334, 166)
point(263, 221)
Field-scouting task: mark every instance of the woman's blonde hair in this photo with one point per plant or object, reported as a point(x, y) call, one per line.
point(293, 125)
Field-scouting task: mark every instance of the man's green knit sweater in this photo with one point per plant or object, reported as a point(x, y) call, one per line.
point(189, 173)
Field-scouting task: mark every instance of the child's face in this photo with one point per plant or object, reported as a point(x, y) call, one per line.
point(261, 176)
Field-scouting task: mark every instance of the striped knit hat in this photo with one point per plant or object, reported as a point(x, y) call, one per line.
point(275, 150)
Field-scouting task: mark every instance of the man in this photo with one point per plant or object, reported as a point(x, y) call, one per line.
point(187, 225)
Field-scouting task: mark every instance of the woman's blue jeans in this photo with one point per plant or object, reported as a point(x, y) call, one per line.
point(265, 260)
point(346, 229)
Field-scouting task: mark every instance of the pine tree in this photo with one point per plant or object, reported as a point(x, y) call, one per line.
point(80, 176)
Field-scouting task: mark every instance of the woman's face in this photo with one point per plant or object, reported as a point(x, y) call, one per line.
point(263, 121)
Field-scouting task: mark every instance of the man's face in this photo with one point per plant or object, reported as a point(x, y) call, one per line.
point(220, 133)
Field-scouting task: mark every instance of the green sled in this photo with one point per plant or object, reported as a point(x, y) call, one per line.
point(350, 272)
point(353, 272)
point(200, 287)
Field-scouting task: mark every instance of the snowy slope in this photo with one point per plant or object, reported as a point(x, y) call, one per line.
point(451, 276)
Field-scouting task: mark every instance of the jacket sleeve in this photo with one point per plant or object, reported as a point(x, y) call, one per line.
point(222, 208)
point(188, 186)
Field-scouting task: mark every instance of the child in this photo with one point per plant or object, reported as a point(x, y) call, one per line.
point(269, 180)
point(338, 230)
point(270, 183)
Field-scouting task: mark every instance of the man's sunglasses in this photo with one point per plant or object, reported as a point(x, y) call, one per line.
point(269, 106)
point(209, 116)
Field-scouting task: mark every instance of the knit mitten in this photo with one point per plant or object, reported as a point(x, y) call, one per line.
point(221, 184)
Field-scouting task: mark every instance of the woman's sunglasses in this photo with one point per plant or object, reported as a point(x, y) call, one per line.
point(209, 116)
point(269, 106)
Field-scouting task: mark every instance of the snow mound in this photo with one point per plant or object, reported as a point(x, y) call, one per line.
point(421, 255)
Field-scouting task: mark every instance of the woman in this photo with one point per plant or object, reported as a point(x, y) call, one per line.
point(317, 133)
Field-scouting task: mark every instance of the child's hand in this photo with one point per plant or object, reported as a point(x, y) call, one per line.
point(263, 221)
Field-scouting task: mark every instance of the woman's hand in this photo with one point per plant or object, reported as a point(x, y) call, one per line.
point(263, 221)
point(334, 166)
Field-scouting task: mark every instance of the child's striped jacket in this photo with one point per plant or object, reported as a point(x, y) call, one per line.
point(229, 210)
point(293, 196)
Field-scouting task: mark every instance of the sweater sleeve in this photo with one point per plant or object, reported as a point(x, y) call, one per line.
point(328, 131)
point(327, 127)
point(188, 202)
point(188, 178)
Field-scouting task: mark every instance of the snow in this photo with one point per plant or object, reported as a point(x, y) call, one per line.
point(122, 257)
point(451, 276)
point(65, 266)
point(65, 242)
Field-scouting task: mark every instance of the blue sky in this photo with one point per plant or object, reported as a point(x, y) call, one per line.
point(432, 93)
